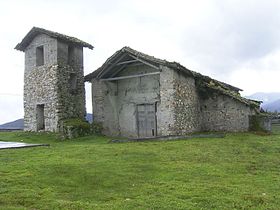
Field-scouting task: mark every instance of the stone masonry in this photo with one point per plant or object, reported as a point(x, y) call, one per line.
point(133, 94)
point(184, 101)
point(180, 108)
point(114, 103)
point(221, 113)
point(53, 80)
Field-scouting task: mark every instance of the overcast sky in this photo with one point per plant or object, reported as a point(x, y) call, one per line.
point(235, 41)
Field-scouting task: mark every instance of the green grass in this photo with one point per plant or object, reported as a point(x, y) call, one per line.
point(240, 171)
point(276, 128)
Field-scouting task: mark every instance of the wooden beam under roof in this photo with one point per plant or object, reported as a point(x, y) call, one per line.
point(127, 62)
point(145, 62)
point(118, 70)
point(124, 65)
point(111, 65)
point(130, 76)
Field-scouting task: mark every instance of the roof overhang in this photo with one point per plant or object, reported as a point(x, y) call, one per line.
point(35, 31)
point(127, 56)
point(119, 61)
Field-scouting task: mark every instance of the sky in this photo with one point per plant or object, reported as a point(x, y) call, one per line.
point(234, 41)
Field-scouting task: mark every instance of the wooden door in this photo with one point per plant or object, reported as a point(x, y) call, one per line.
point(146, 120)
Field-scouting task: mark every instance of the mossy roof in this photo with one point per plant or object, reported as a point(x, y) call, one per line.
point(235, 95)
point(210, 83)
point(35, 31)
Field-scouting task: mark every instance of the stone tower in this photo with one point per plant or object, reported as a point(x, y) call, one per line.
point(53, 79)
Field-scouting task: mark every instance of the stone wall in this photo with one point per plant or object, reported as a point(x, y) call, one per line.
point(40, 83)
point(180, 107)
point(50, 52)
point(104, 107)
point(40, 88)
point(48, 85)
point(260, 122)
point(114, 102)
point(179, 110)
point(186, 105)
point(165, 114)
point(139, 90)
point(222, 113)
point(98, 90)
point(71, 97)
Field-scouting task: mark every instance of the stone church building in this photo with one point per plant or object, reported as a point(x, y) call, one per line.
point(137, 95)
point(53, 79)
point(133, 94)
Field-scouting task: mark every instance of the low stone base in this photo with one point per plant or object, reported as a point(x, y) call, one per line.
point(260, 123)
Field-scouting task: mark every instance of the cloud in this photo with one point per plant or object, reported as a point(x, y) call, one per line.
point(261, 75)
point(11, 107)
point(233, 33)
point(234, 41)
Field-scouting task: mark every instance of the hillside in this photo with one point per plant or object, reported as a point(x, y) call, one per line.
point(89, 117)
point(265, 97)
point(14, 125)
point(272, 107)
point(271, 101)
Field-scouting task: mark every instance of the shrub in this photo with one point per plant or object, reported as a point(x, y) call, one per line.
point(96, 128)
point(75, 127)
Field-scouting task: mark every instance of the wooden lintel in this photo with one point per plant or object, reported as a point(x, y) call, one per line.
point(145, 62)
point(130, 76)
point(127, 62)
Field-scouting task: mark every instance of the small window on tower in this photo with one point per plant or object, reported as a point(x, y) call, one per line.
point(40, 56)
point(73, 81)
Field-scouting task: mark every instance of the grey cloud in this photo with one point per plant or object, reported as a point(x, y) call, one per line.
point(234, 33)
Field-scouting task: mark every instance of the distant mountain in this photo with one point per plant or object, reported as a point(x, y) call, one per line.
point(18, 124)
point(14, 125)
point(265, 97)
point(273, 106)
point(89, 118)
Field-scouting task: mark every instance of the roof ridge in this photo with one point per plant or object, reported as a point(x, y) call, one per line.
point(209, 82)
point(174, 65)
point(36, 30)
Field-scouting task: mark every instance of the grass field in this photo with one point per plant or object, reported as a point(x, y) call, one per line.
point(240, 171)
point(276, 128)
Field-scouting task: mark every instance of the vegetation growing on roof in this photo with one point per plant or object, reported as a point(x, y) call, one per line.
point(207, 89)
point(35, 31)
point(207, 86)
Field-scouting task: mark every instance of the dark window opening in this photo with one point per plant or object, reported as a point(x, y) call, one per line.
point(40, 116)
point(40, 56)
point(70, 55)
point(73, 81)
